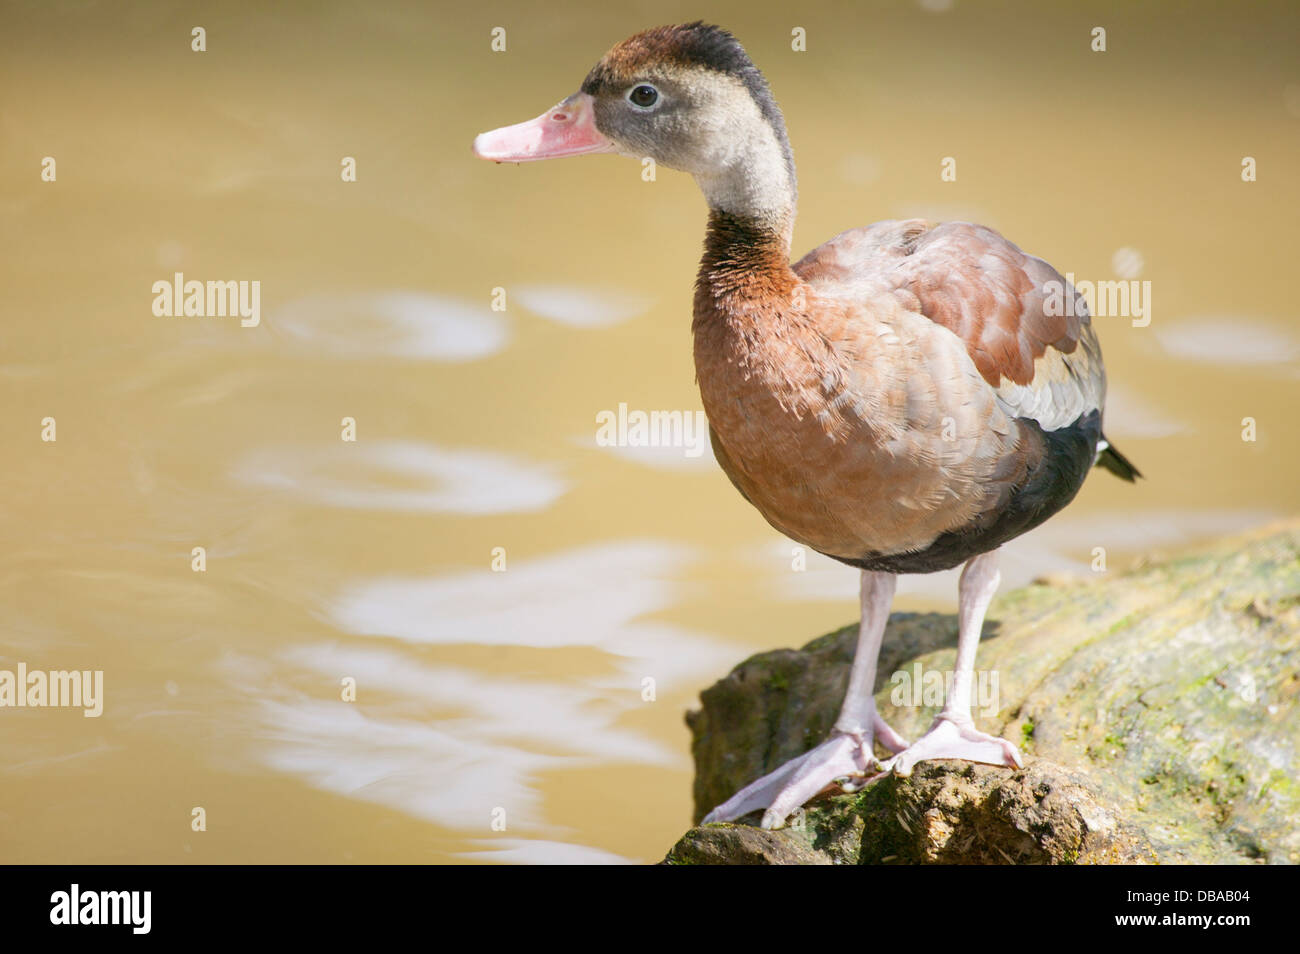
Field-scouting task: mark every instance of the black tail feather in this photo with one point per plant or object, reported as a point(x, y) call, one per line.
point(1119, 465)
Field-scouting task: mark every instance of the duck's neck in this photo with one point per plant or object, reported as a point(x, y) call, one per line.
point(751, 191)
point(745, 257)
point(745, 269)
point(753, 178)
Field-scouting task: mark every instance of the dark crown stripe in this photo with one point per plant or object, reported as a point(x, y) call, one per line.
point(699, 45)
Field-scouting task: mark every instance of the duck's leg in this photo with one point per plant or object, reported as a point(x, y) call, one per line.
point(953, 735)
point(848, 753)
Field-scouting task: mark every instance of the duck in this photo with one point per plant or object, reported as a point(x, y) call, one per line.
point(907, 397)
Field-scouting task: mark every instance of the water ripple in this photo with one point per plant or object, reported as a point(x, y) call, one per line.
point(379, 475)
point(403, 324)
point(582, 307)
point(1229, 339)
point(593, 596)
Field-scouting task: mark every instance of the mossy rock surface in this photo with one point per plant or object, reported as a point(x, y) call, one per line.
point(946, 813)
point(1158, 710)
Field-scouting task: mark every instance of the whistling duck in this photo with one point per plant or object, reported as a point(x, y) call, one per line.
point(905, 398)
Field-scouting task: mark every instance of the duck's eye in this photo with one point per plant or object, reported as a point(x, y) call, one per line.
point(643, 96)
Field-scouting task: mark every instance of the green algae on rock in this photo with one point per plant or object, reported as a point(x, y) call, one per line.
point(946, 813)
point(1161, 704)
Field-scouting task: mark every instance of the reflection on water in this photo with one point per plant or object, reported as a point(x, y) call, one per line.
point(664, 456)
point(597, 596)
point(1130, 415)
point(447, 481)
point(582, 307)
point(409, 765)
point(1230, 339)
point(401, 324)
point(526, 614)
point(516, 851)
point(450, 744)
point(444, 744)
point(569, 718)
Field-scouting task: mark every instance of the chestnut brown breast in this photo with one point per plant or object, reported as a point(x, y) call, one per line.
point(894, 386)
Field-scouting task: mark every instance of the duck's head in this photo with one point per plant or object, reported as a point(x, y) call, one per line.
point(686, 96)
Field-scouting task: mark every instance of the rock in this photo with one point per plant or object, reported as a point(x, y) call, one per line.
point(1158, 710)
point(947, 813)
point(742, 845)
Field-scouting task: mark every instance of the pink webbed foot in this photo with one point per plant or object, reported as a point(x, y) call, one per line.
point(846, 760)
point(950, 739)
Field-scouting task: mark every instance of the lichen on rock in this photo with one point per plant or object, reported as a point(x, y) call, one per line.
point(1159, 711)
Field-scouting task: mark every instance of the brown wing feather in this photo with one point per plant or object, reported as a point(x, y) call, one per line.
point(1043, 362)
